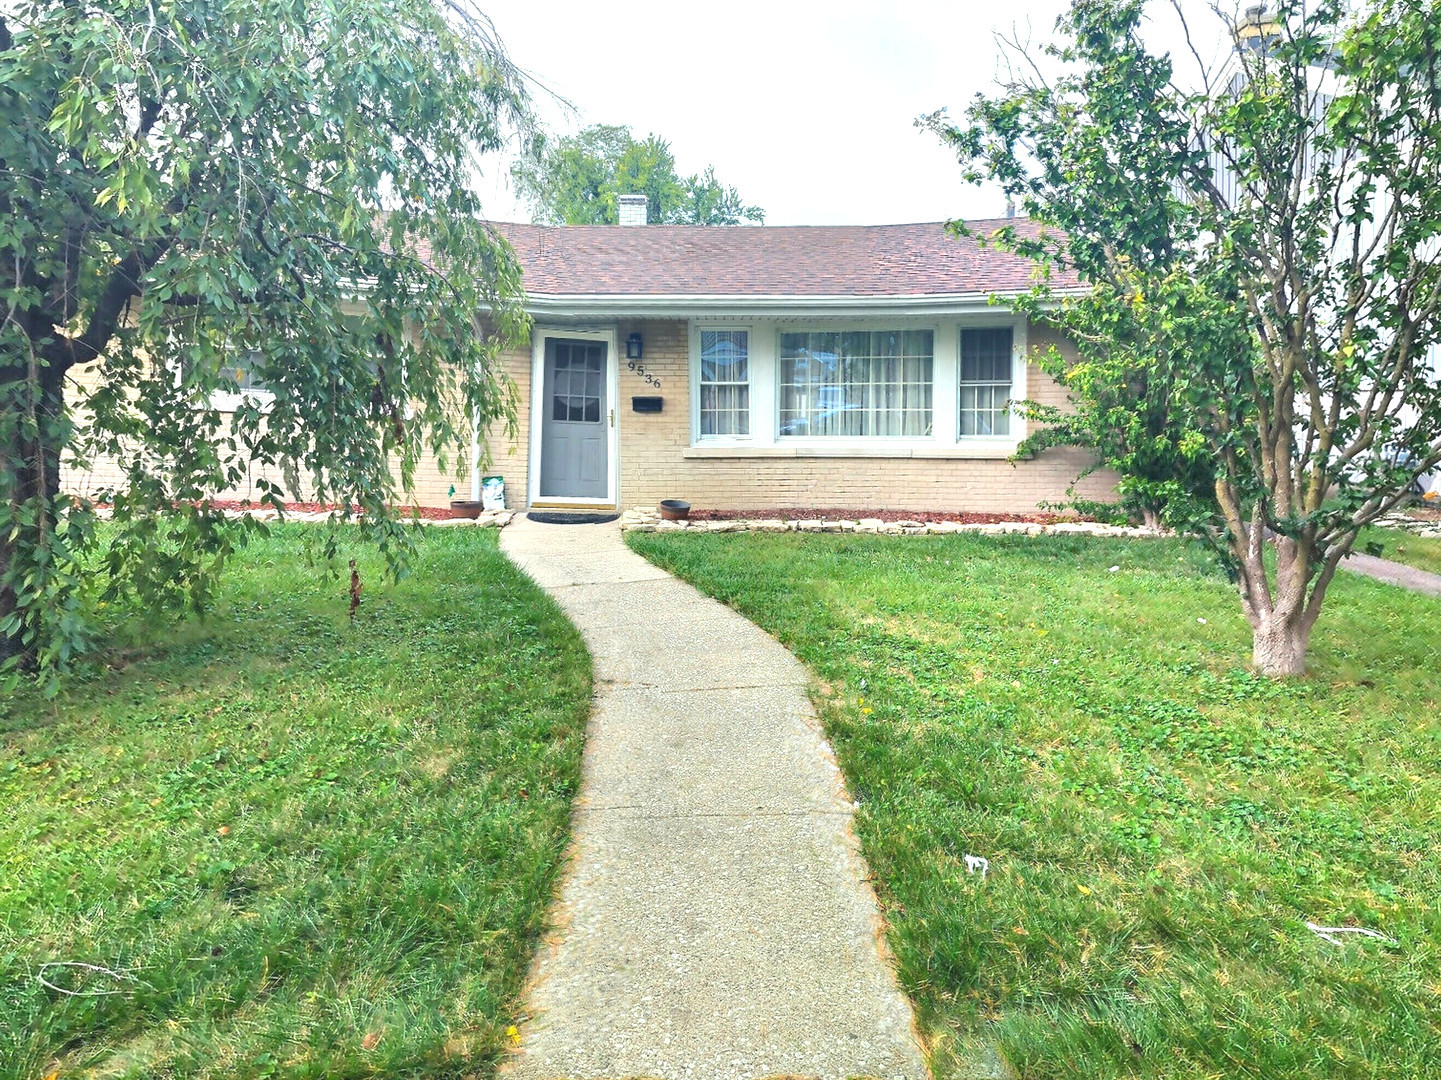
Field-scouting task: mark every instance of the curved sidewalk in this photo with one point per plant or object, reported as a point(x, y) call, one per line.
point(715, 922)
point(1393, 573)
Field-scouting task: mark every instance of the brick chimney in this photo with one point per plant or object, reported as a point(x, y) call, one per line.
point(632, 209)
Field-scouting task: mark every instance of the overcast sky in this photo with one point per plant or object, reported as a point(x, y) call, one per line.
point(807, 107)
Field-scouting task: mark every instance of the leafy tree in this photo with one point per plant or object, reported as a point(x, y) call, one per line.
point(578, 180)
point(188, 182)
point(1262, 271)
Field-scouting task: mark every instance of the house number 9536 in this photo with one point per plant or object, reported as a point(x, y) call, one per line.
point(640, 370)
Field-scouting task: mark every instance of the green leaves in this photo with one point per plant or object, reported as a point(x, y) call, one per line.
point(198, 188)
point(578, 180)
point(1263, 315)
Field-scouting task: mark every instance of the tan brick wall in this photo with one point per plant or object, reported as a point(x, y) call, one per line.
point(508, 454)
point(653, 465)
point(432, 483)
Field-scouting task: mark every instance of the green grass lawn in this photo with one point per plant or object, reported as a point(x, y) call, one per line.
point(310, 848)
point(1160, 823)
point(1422, 552)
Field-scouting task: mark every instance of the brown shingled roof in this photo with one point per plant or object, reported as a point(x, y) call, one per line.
point(753, 261)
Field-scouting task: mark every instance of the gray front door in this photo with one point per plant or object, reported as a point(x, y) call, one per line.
point(574, 456)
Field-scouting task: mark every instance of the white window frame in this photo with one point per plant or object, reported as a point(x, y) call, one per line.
point(1019, 362)
point(869, 326)
point(225, 401)
point(696, 384)
point(697, 439)
point(945, 442)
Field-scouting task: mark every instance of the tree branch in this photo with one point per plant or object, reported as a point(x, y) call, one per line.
point(64, 352)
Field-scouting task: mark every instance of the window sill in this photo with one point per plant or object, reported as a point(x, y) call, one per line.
point(227, 402)
point(962, 452)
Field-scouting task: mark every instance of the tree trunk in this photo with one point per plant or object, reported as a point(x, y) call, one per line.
point(1281, 612)
point(32, 425)
point(12, 490)
point(1279, 646)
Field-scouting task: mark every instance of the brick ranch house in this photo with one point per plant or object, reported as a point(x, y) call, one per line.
point(846, 367)
point(854, 367)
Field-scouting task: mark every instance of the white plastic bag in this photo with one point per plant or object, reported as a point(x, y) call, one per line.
point(492, 493)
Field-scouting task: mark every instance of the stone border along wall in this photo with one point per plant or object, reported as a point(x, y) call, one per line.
point(1414, 526)
point(648, 519)
point(491, 518)
point(498, 519)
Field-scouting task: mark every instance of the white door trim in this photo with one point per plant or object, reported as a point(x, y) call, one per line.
point(538, 338)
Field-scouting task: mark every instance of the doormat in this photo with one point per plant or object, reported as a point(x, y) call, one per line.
point(546, 518)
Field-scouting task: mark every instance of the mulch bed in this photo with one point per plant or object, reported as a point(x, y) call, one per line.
point(925, 516)
point(430, 513)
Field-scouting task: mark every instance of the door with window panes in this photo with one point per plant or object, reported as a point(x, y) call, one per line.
point(574, 444)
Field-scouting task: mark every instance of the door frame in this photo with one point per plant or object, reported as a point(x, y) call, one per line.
point(538, 338)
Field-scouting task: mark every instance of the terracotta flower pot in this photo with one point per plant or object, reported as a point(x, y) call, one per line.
point(465, 508)
point(674, 509)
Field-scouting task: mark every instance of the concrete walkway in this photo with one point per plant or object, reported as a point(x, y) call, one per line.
point(1393, 573)
point(715, 922)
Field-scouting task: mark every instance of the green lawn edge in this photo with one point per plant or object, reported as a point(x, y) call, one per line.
point(308, 847)
point(1160, 823)
point(1422, 552)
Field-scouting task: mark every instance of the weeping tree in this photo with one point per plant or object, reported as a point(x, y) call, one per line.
point(1262, 269)
point(198, 191)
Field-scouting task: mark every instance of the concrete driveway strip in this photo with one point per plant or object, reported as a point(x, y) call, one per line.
point(716, 922)
point(1394, 573)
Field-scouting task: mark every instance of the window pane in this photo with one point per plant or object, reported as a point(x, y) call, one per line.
point(723, 356)
point(242, 371)
point(724, 382)
point(986, 363)
point(856, 384)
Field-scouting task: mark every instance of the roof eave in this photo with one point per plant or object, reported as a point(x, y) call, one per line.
point(650, 306)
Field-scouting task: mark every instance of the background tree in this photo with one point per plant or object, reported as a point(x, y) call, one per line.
point(1262, 262)
point(578, 180)
point(190, 184)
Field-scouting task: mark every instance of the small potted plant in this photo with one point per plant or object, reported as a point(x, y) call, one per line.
point(465, 508)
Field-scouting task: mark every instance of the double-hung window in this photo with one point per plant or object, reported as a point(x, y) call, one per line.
point(856, 384)
point(725, 389)
point(986, 375)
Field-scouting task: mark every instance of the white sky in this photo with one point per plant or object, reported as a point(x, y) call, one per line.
point(807, 107)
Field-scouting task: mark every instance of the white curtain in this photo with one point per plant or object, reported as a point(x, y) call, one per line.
point(857, 384)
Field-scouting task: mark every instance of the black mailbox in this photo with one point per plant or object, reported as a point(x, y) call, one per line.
point(646, 404)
